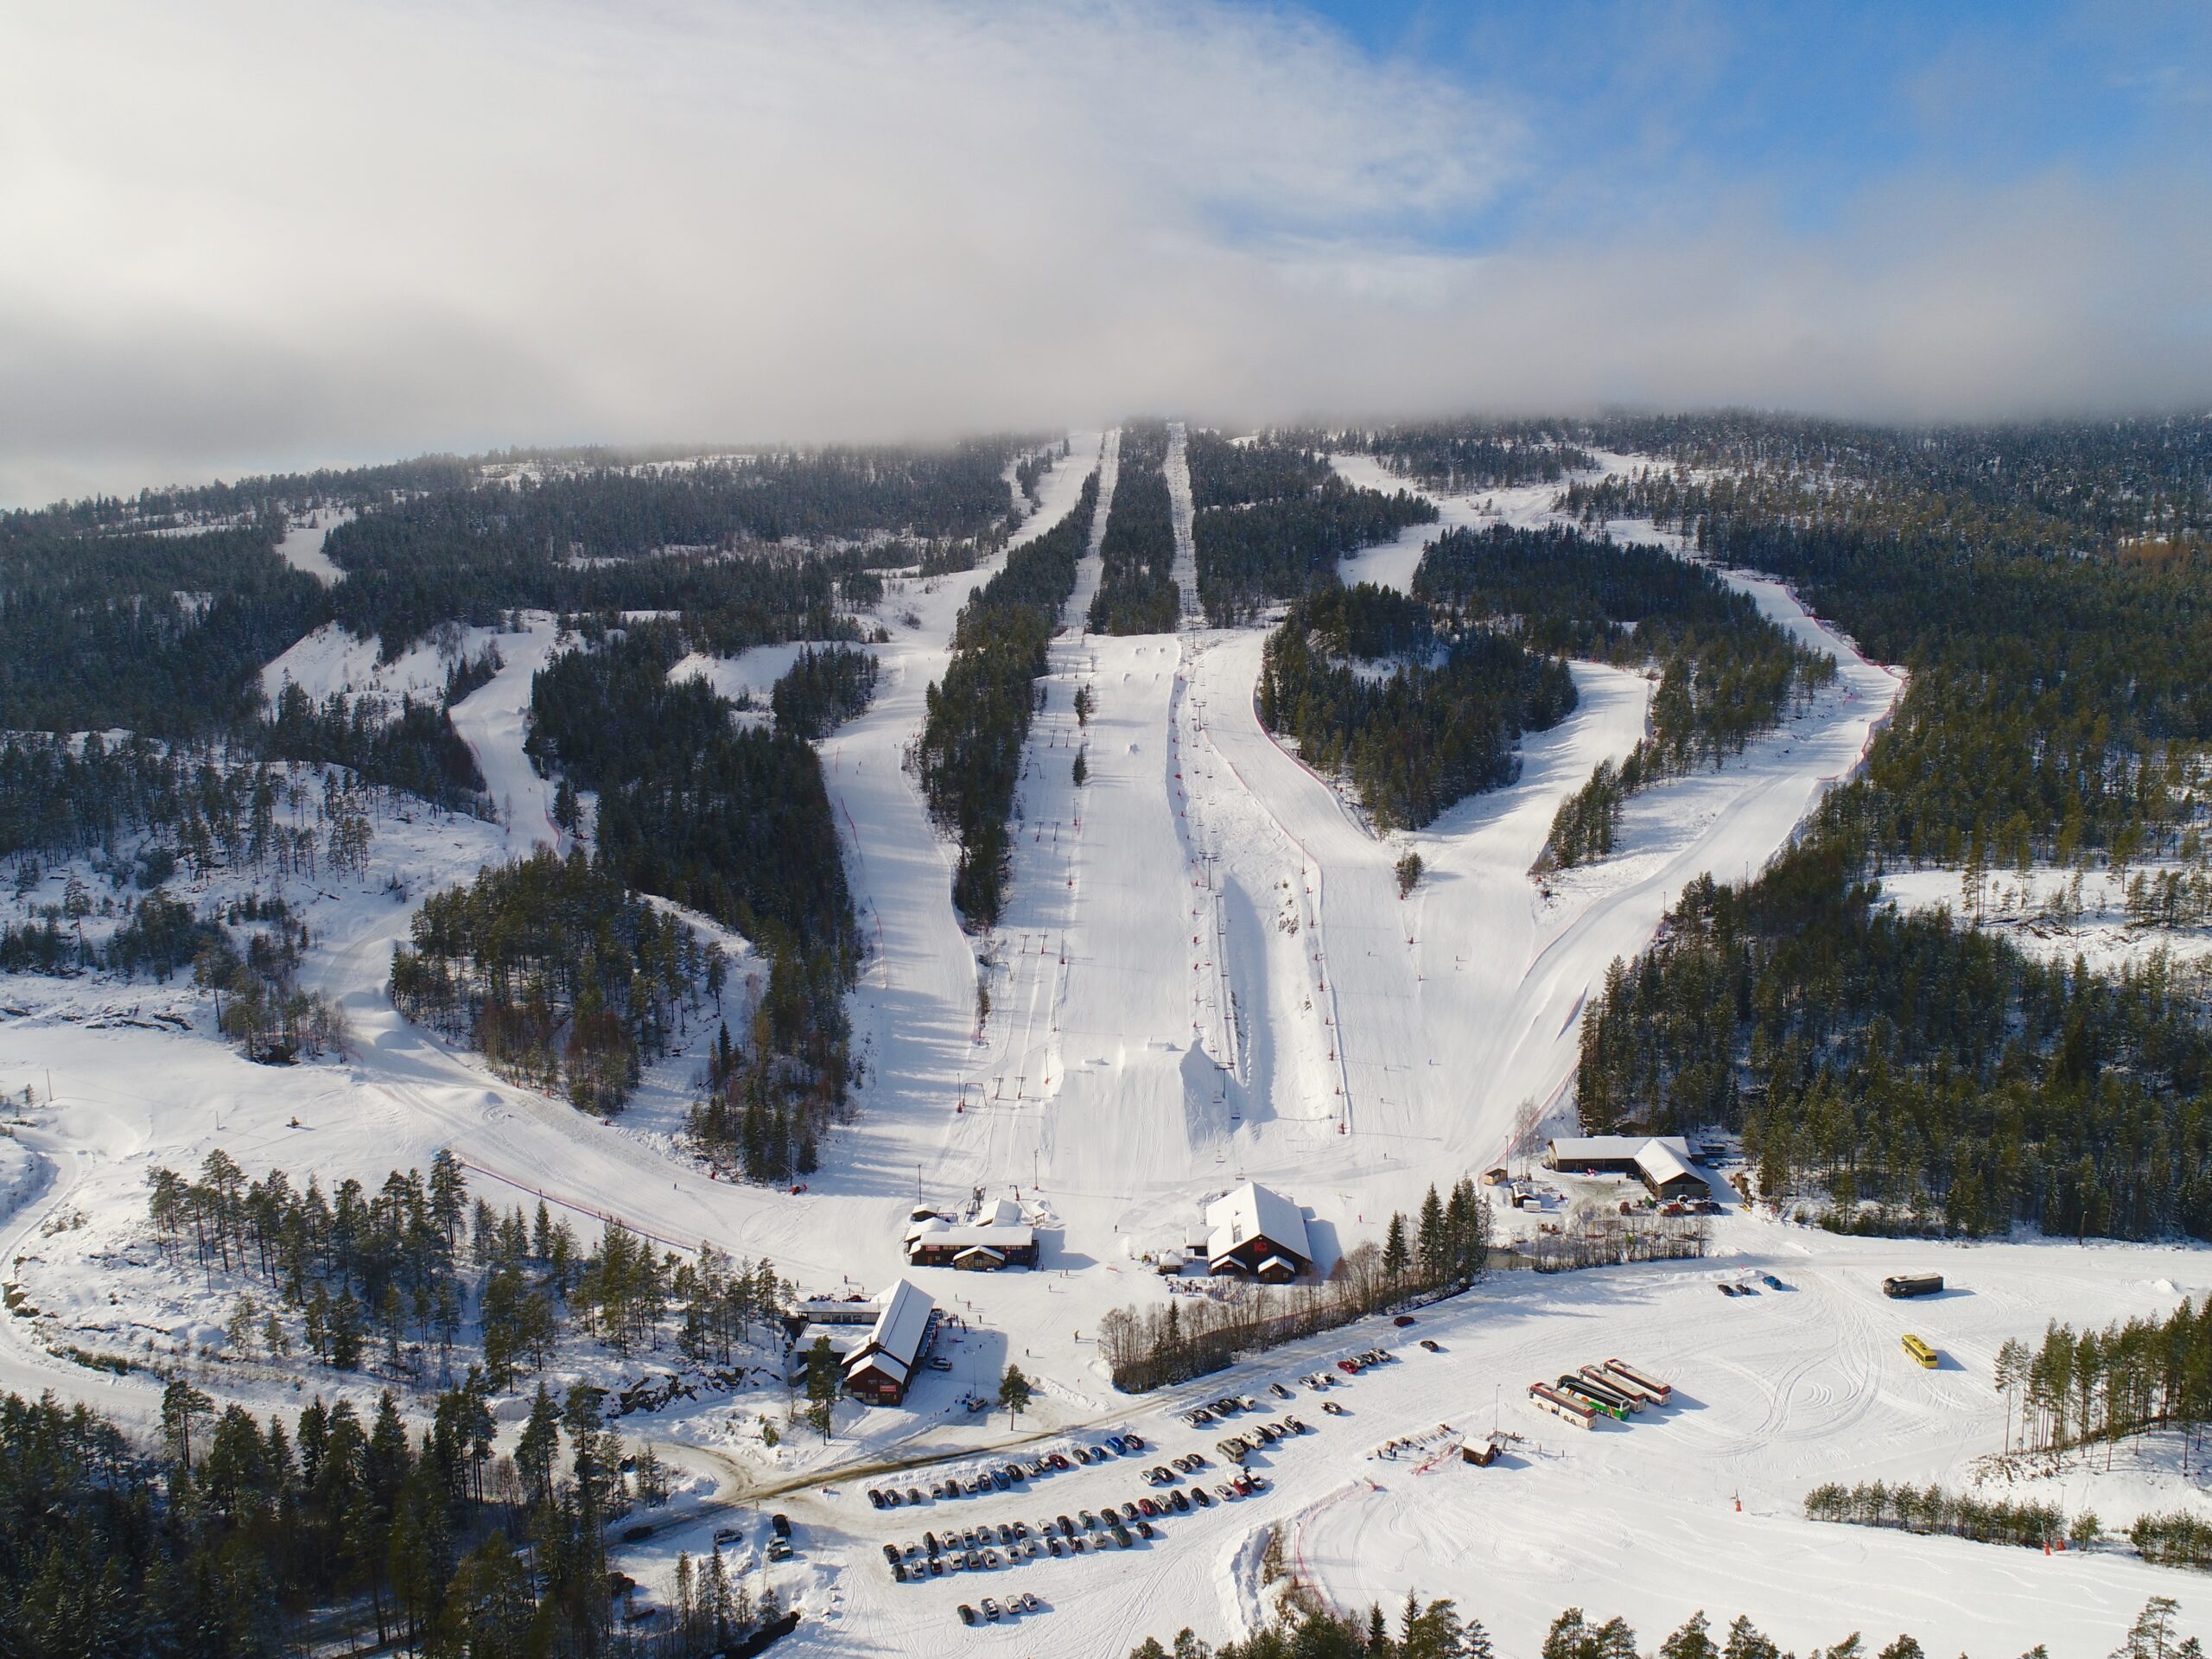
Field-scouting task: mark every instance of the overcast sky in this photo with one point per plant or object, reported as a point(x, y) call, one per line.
point(243, 235)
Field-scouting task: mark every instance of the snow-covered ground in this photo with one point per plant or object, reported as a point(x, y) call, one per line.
point(748, 678)
point(302, 546)
point(2055, 915)
point(1181, 516)
point(331, 659)
point(1205, 973)
point(1774, 1393)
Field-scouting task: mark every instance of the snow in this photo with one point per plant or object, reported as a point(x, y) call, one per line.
point(1205, 975)
point(494, 719)
point(749, 676)
point(302, 546)
point(2035, 910)
point(332, 660)
point(23, 1172)
point(1186, 572)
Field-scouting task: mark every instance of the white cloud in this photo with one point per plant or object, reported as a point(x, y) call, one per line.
point(247, 234)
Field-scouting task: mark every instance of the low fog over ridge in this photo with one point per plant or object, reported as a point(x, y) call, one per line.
point(247, 237)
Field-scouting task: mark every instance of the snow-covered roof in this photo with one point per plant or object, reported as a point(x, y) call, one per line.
point(926, 1225)
point(1658, 1161)
point(1612, 1149)
point(983, 1250)
point(873, 1359)
point(841, 1339)
point(1254, 1211)
point(903, 1322)
point(999, 1212)
point(999, 1238)
point(837, 1310)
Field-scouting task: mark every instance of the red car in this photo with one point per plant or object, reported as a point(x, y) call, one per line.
point(1350, 1367)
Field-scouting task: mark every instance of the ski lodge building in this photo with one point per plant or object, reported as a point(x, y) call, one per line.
point(1661, 1162)
point(1253, 1231)
point(997, 1237)
point(882, 1366)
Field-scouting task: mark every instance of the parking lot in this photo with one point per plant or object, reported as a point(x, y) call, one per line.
point(994, 1536)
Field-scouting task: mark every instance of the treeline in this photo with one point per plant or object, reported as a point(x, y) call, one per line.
point(1900, 1071)
point(559, 975)
point(233, 1539)
point(1442, 1252)
point(1915, 1073)
point(733, 823)
point(198, 805)
point(1456, 456)
point(259, 1002)
point(1136, 583)
point(2108, 479)
point(1726, 672)
point(2087, 1387)
point(1309, 1629)
point(158, 936)
point(1251, 556)
point(414, 749)
point(1267, 468)
point(1440, 726)
point(414, 1266)
point(969, 758)
point(163, 635)
point(699, 539)
point(2056, 678)
point(1957, 1514)
point(822, 690)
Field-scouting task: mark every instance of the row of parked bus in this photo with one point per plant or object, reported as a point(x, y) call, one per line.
point(1615, 1389)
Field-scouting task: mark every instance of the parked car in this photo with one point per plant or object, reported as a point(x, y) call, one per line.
point(727, 1535)
point(891, 1554)
point(1178, 1503)
point(1198, 1496)
point(1135, 1442)
point(990, 1610)
point(967, 1614)
point(780, 1525)
point(1334, 1408)
point(1348, 1367)
point(1279, 1391)
point(1429, 1343)
point(1029, 1603)
point(939, 1362)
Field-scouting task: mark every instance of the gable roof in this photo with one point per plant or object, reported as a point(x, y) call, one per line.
point(902, 1324)
point(1254, 1211)
point(1660, 1165)
point(1612, 1149)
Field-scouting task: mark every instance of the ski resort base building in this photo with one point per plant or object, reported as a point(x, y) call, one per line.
point(994, 1236)
point(1661, 1162)
point(1252, 1230)
point(881, 1366)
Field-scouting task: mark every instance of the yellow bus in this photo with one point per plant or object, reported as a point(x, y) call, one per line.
point(1920, 1354)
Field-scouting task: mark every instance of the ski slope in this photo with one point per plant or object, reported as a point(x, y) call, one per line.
point(1204, 974)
